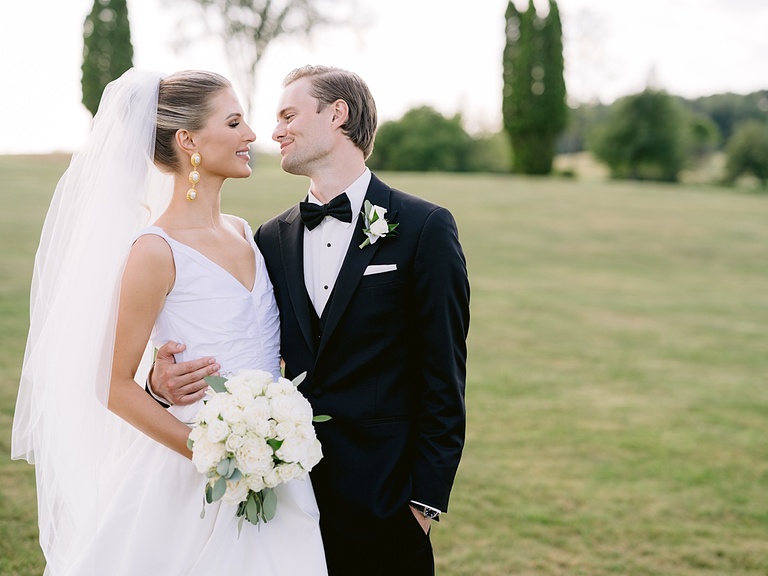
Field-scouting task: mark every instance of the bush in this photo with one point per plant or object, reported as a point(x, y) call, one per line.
point(644, 137)
point(747, 152)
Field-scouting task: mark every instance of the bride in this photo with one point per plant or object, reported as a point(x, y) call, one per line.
point(112, 500)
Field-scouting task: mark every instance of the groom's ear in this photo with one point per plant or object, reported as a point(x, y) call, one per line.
point(340, 113)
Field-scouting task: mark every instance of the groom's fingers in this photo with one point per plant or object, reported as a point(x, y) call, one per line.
point(185, 380)
point(181, 383)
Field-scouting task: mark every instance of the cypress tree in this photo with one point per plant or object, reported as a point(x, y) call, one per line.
point(107, 49)
point(534, 106)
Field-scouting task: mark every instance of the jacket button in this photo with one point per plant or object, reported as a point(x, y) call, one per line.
point(317, 392)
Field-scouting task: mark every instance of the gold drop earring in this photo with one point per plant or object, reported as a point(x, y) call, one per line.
point(194, 176)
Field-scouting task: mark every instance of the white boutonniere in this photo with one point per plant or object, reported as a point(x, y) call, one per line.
point(376, 226)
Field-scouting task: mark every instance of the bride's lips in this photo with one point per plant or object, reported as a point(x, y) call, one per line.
point(244, 154)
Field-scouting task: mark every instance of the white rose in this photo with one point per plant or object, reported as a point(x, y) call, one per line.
point(293, 449)
point(379, 228)
point(239, 429)
point(272, 478)
point(377, 211)
point(255, 482)
point(233, 442)
point(313, 455)
point(236, 492)
point(208, 413)
point(256, 413)
point(285, 430)
point(206, 455)
point(254, 456)
point(282, 386)
point(232, 413)
point(291, 408)
point(218, 430)
point(305, 430)
point(196, 433)
point(290, 471)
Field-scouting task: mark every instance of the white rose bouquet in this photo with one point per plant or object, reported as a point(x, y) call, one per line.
point(252, 434)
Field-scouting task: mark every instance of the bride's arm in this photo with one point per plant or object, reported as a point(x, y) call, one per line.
point(149, 276)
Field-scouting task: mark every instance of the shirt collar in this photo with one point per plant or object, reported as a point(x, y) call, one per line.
point(355, 192)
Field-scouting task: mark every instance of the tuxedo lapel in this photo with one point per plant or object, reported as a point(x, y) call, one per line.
point(291, 238)
point(355, 261)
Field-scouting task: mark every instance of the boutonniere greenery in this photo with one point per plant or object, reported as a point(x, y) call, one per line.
point(376, 226)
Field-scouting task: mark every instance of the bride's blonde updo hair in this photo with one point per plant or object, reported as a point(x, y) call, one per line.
point(183, 103)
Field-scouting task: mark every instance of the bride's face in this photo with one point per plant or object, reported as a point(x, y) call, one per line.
point(225, 140)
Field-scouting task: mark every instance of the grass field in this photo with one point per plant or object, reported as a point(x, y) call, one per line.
point(618, 371)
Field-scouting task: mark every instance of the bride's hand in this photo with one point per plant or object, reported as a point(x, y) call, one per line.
point(180, 383)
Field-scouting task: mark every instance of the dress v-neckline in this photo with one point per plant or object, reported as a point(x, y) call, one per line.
point(216, 264)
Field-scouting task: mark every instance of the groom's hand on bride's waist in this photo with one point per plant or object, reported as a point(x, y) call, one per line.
point(179, 383)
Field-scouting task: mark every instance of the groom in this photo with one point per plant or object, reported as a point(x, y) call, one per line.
point(380, 328)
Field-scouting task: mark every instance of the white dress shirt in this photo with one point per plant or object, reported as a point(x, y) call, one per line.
point(326, 245)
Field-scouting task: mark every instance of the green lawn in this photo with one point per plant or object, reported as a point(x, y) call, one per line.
point(618, 371)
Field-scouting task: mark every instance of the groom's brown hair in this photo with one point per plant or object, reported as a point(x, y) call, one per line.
point(330, 84)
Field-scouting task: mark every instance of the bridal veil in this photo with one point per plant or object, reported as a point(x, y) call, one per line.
point(61, 425)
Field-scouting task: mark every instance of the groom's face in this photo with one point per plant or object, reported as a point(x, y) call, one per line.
point(305, 134)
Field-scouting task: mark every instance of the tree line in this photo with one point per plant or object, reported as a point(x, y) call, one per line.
point(651, 135)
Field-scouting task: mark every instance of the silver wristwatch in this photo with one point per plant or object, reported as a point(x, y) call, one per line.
point(427, 511)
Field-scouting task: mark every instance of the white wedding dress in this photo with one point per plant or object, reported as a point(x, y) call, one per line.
point(151, 524)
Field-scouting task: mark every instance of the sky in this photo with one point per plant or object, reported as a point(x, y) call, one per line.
point(446, 54)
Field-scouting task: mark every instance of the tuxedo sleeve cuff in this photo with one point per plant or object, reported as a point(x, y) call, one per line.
point(423, 507)
point(157, 398)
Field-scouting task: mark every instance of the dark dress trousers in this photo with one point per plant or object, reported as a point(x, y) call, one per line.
point(387, 361)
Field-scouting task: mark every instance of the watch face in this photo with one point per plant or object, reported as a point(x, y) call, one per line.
point(431, 514)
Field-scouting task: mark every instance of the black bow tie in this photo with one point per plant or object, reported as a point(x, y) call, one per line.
point(313, 214)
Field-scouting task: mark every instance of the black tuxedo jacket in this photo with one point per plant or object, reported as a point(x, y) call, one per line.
point(390, 363)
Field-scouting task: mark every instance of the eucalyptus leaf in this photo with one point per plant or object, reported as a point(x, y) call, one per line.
point(223, 467)
point(219, 488)
point(232, 468)
point(253, 508)
point(208, 493)
point(299, 379)
point(190, 444)
point(270, 504)
point(217, 383)
point(235, 476)
point(321, 418)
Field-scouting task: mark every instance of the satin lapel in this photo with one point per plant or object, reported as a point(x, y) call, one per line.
point(291, 237)
point(355, 262)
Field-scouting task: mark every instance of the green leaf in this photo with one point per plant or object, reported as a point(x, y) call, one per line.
point(219, 488)
point(275, 443)
point(253, 508)
point(235, 476)
point(190, 444)
point(299, 379)
point(270, 504)
point(208, 493)
point(321, 418)
point(232, 468)
point(217, 383)
point(223, 467)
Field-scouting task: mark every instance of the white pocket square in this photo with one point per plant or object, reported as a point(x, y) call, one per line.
point(379, 269)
